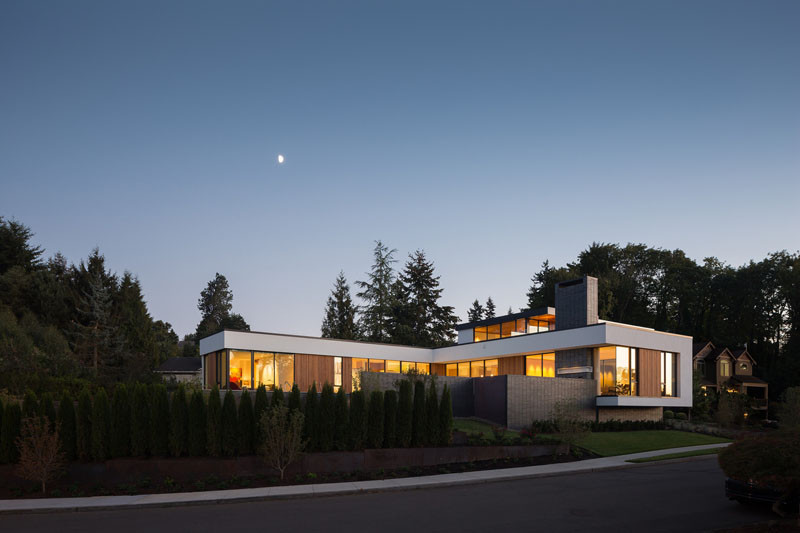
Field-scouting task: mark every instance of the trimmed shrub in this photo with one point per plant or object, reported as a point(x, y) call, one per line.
point(680, 416)
point(327, 418)
point(294, 402)
point(140, 421)
point(30, 405)
point(375, 420)
point(771, 459)
point(67, 432)
point(404, 415)
point(311, 419)
point(668, 415)
point(260, 407)
point(120, 422)
point(277, 397)
point(84, 425)
point(358, 420)
point(341, 420)
point(159, 421)
point(214, 423)
point(432, 416)
point(445, 417)
point(101, 426)
point(229, 425)
point(47, 409)
point(389, 418)
point(2, 410)
point(418, 424)
point(247, 424)
point(12, 419)
point(197, 425)
point(179, 423)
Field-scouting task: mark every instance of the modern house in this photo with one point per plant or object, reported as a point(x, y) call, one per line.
point(182, 369)
point(514, 367)
point(730, 370)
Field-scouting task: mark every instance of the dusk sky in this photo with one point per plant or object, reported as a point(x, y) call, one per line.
point(493, 135)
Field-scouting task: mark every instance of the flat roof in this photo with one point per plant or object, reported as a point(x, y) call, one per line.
point(525, 313)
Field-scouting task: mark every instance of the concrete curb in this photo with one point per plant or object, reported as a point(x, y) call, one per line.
point(108, 503)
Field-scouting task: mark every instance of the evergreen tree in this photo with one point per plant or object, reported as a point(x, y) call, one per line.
point(67, 431)
point(215, 305)
point(277, 397)
point(311, 419)
point(140, 421)
point(15, 247)
point(159, 421)
point(327, 418)
point(260, 407)
point(390, 418)
point(46, 408)
point(404, 414)
point(490, 308)
point(294, 403)
point(230, 425)
point(84, 425)
point(12, 419)
point(101, 426)
point(136, 328)
point(377, 293)
point(418, 423)
point(97, 337)
point(445, 417)
point(375, 420)
point(341, 420)
point(475, 313)
point(358, 420)
point(197, 425)
point(432, 416)
point(247, 424)
point(30, 404)
point(120, 422)
point(340, 313)
point(179, 423)
point(510, 311)
point(214, 423)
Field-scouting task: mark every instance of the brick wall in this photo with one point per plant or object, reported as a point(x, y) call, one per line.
point(532, 398)
point(651, 414)
point(576, 303)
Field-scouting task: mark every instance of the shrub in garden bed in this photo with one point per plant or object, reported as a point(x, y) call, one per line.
point(771, 460)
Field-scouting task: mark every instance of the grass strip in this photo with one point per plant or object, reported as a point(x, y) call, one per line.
point(678, 455)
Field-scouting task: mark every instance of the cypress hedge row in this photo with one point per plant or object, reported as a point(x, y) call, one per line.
point(141, 420)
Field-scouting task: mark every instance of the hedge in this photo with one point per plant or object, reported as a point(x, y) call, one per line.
point(140, 421)
point(404, 414)
point(47, 409)
point(101, 426)
point(277, 397)
point(67, 430)
point(294, 399)
point(311, 420)
point(214, 423)
point(326, 418)
point(432, 416)
point(341, 420)
point(229, 425)
point(247, 425)
point(259, 408)
point(84, 425)
point(358, 420)
point(389, 418)
point(197, 425)
point(418, 424)
point(375, 420)
point(159, 421)
point(179, 423)
point(12, 417)
point(120, 422)
point(445, 417)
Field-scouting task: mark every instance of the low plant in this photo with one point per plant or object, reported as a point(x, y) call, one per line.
point(40, 456)
point(668, 415)
point(282, 433)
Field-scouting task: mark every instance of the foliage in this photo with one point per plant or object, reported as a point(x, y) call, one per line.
point(377, 292)
point(247, 424)
point(620, 425)
point(311, 419)
point(445, 417)
point(358, 420)
point(282, 432)
point(30, 405)
point(341, 420)
point(229, 425)
point(432, 416)
point(732, 408)
point(790, 409)
point(84, 425)
point(40, 456)
point(197, 425)
point(570, 426)
point(772, 460)
point(702, 399)
point(418, 421)
point(681, 416)
point(490, 308)
point(140, 421)
point(475, 313)
point(12, 417)
point(120, 422)
point(375, 420)
point(260, 406)
point(101, 426)
point(668, 414)
point(46, 408)
point(404, 414)
point(294, 403)
point(214, 423)
point(67, 425)
point(340, 312)
point(390, 418)
point(326, 419)
point(277, 397)
point(215, 305)
point(159, 421)
point(179, 423)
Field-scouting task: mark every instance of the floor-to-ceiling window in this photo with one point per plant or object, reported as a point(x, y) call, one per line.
point(541, 365)
point(264, 369)
point(617, 370)
point(241, 375)
point(669, 374)
point(510, 328)
point(337, 373)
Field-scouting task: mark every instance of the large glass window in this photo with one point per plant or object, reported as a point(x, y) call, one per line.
point(451, 369)
point(264, 369)
point(359, 365)
point(463, 370)
point(724, 368)
point(284, 370)
point(241, 375)
point(337, 373)
point(533, 365)
point(393, 366)
point(479, 334)
point(617, 371)
point(669, 374)
point(491, 367)
point(377, 365)
point(476, 369)
point(508, 328)
point(541, 365)
point(520, 326)
point(424, 368)
point(492, 332)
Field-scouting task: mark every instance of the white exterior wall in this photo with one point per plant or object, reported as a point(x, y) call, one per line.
point(465, 336)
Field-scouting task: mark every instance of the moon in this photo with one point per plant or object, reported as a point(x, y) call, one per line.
point(281, 159)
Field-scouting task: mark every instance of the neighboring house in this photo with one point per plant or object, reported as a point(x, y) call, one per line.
point(510, 369)
point(182, 369)
point(731, 370)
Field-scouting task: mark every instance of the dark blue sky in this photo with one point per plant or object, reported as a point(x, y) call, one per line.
point(493, 135)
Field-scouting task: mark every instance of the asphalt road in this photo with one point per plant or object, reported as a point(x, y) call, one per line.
point(686, 496)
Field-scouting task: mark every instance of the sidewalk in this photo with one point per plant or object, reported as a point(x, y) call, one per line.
point(331, 489)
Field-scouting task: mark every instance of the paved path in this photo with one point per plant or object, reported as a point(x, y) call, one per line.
point(683, 496)
point(327, 489)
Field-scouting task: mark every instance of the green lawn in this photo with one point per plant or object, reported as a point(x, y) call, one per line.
point(624, 442)
point(710, 451)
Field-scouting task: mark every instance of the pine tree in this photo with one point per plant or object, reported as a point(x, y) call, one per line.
point(101, 426)
point(67, 430)
point(418, 424)
point(277, 397)
point(140, 421)
point(179, 423)
point(445, 417)
point(12, 418)
point(159, 421)
point(259, 408)
point(341, 420)
point(404, 414)
point(375, 420)
point(311, 419)
point(432, 416)
point(510, 311)
point(358, 420)
point(215, 305)
point(475, 313)
point(390, 418)
point(490, 308)
point(97, 337)
point(214, 423)
point(30, 404)
point(327, 418)
point(377, 293)
point(84, 425)
point(120, 422)
point(340, 313)
point(197, 425)
point(230, 425)
point(294, 403)
point(247, 424)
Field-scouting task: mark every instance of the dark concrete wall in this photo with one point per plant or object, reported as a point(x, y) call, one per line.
point(576, 303)
point(491, 395)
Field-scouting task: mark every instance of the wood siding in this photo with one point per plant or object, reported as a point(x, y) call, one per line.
point(649, 373)
point(347, 374)
point(310, 369)
point(439, 369)
point(511, 365)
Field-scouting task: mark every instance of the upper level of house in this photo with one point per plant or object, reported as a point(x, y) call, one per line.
point(719, 366)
